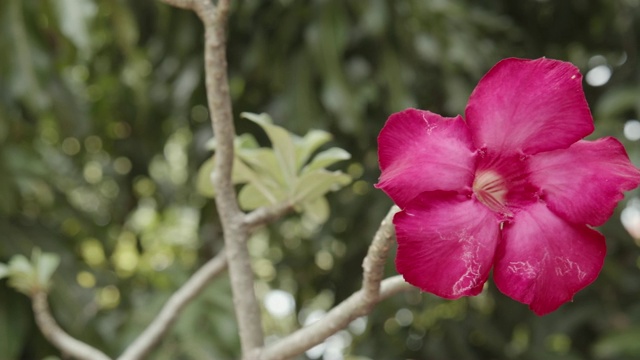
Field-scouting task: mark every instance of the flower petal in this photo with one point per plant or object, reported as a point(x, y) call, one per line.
point(422, 151)
point(446, 243)
point(543, 260)
point(583, 183)
point(529, 106)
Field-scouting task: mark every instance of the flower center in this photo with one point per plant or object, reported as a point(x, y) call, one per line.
point(491, 189)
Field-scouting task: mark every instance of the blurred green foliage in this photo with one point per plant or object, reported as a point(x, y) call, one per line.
point(103, 126)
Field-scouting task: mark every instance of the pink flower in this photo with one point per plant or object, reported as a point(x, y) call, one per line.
point(513, 187)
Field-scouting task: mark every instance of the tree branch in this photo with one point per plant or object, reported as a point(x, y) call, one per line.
point(145, 342)
point(355, 306)
point(58, 337)
point(358, 304)
point(373, 264)
point(267, 214)
point(236, 232)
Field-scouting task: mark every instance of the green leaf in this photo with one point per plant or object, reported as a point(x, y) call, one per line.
point(314, 184)
point(265, 164)
point(240, 174)
point(203, 180)
point(310, 143)
point(282, 143)
point(246, 141)
point(46, 264)
point(27, 276)
point(252, 197)
point(326, 158)
point(20, 264)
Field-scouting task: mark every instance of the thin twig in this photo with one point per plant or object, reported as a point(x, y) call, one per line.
point(373, 264)
point(176, 303)
point(355, 306)
point(358, 304)
point(58, 337)
point(267, 214)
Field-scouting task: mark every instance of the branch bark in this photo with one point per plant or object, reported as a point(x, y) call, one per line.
point(373, 264)
point(266, 215)
point(359, 304)
point(355, 306)
point(235, 230)
point(58, 337)
point(236, 233)
point(145, 342)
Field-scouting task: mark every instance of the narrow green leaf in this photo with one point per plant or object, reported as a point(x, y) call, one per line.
point(22, 274)
point(240, 174)
point(326, 158)
point(314, 184)
point(46, 265)
point(282, 143)
point(310, 143)
point(20, 264)
point(265, 164)
point(246, 141)
point(252, 197)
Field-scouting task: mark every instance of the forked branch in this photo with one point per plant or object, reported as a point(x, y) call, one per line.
point(359, 304)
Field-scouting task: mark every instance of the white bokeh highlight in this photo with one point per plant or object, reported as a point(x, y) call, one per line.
point(598, 76)
point(632, 130)
point(279, 303)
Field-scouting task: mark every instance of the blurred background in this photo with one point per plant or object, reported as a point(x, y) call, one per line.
point(104, 125)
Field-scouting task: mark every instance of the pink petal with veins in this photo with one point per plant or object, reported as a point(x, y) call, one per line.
point(543, 260)
point(422, 151)
point(446, 243)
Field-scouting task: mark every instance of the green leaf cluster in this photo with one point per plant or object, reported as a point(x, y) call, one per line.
point(286, 172)
point(30, 276)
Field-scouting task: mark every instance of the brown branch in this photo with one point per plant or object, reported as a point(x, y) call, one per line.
point(359, 304)
point(236, 232)
point(176, 303)
point(267, 214)
point(355, 306)
point(373, 264)
point(58, 337)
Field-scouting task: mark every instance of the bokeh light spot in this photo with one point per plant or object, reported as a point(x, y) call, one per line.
point(122, 165)
point(71, 146)
point(109, 297)
point(324, 260)
point(632, 130)
point(92, 172)
point(92, 251)
point(279, 303)
point(93, 144)
point(86, 279)
point(598, 76)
